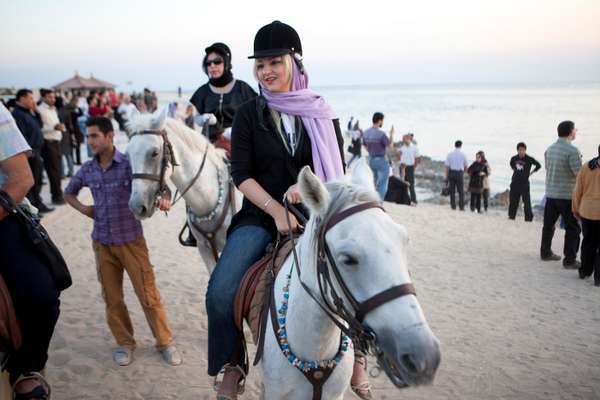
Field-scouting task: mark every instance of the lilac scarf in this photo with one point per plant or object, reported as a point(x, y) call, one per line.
point(317, 117)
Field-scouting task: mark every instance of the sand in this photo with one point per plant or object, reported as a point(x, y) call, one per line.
point(511, 326)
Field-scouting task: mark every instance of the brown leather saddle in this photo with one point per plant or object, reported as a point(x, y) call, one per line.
point(10, 331)
point(253, 295)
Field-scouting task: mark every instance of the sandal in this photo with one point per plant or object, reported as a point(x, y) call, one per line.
point(40, 392)
point(241, 382)
point(363, 389)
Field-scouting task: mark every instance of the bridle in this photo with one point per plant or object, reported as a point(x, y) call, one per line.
point(333, 304)
point(168, 158)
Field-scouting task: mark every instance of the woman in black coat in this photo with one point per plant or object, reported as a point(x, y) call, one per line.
point(273, 137)
point(477, 172)
point(217, 100)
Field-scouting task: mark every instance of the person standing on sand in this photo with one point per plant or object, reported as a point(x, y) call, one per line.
point(119, 244)
point(34, 294)
point(519, 186)
point(563, 162)
point(355, 147)
point(456, 166)
point(477, 172)
point(485, 195)
point(53, 131)
point(377, 141)
point(586, 207)
point(410, 158)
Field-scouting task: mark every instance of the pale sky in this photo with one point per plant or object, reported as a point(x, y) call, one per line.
point(160, 44)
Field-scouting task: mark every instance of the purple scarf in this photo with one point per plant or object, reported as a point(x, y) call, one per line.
point(317, 117)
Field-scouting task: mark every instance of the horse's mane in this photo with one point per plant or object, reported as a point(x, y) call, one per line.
point(342, 194)
point(194, 140)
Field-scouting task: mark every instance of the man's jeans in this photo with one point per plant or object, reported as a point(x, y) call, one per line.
point(381, 173)
point(555, 208)
point(244, 246)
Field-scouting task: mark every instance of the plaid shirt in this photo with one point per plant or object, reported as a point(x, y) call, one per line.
point(563, 162)
point(114, 223)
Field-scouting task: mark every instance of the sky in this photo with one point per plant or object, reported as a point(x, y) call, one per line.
point(160, 44)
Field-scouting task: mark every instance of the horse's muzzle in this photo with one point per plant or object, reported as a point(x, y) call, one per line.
point(411, 357)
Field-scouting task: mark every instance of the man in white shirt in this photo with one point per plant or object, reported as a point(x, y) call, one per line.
point(456, 166)
point(52, 130)
point(126, 108)
point(409, 159)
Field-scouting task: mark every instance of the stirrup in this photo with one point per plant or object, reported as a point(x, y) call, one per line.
point(35, 393)
point(362, 390)
point(241, 382)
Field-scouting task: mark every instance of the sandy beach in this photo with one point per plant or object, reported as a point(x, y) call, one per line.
point(511, 326)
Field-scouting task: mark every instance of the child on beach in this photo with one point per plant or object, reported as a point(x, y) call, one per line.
point(119, 244)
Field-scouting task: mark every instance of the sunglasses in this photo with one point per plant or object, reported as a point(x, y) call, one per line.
point(216, 61)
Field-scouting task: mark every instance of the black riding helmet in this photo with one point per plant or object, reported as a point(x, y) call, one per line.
point(221, 49)
point(276, 39)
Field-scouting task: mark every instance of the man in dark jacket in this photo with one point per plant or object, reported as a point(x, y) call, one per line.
point(29, 122)
point(519, 186)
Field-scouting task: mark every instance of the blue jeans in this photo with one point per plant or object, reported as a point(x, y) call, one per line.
point(381, 172)
point(244, 247)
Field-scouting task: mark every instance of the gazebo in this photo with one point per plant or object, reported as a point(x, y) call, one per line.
point(80, 83)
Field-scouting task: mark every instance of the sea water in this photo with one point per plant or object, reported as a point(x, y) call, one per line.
point(492, 118)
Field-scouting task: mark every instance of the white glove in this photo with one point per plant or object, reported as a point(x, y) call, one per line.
point(210, 118)
point(227, 133)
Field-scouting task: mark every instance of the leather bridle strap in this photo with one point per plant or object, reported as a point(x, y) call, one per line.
point(342, 215)
point(384, 297)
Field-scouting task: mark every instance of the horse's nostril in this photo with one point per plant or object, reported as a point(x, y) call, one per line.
point(412, 364)
point(143, 210)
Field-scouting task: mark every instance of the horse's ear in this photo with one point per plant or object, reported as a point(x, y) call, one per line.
point(362, 174)
point(158, 118)
point(314, 194)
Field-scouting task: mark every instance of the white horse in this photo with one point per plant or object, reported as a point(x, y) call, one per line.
point(206, 197)
point(369, 249)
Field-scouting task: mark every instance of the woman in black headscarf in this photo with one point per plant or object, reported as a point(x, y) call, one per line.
point(218, 100)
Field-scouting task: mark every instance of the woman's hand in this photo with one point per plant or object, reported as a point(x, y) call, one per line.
point(293, 195)
point(282, 223)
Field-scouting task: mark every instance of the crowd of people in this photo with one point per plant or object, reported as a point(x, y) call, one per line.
point(572, 190)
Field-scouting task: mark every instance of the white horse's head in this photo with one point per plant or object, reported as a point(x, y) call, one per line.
point(370, 251)
point(145, 156)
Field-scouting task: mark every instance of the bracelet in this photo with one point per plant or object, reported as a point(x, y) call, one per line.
point(267, 203)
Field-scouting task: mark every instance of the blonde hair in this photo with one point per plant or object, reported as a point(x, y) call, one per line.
point(287, 64)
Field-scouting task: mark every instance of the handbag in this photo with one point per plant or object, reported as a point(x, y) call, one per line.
point(40, 240)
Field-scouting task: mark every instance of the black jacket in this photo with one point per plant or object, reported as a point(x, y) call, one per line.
point(476, 180)
point(223, 106)
point(522, 169)
point(30, 126)
point(258, 152)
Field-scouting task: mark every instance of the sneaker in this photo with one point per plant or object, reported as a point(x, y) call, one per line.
point(582, 274)
point(597, 283)
point(59, 201)
point(123, 356)
point(551, 257)
point(571, 264)
point(171, 355)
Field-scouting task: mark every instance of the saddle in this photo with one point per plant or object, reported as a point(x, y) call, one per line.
point(252, 298)
point(10, 331)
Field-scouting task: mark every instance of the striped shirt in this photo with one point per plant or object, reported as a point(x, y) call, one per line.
point(562, 162)
point(114, 224)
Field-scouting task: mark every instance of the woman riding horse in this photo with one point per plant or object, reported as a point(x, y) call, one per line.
point(217, 100)
point(274, 135)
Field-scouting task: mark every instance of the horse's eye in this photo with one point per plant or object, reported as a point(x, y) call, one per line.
point(349, 259)
point(155, 154)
